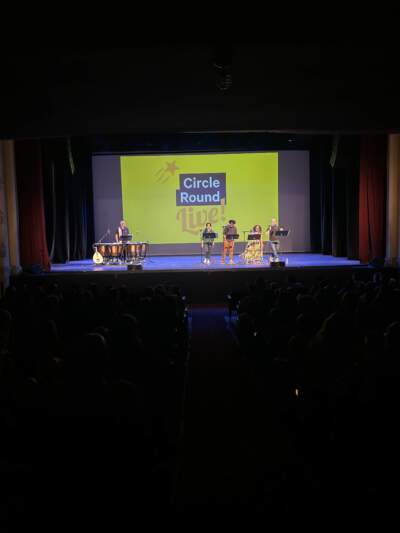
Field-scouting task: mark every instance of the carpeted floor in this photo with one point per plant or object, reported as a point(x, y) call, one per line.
point(235, 441)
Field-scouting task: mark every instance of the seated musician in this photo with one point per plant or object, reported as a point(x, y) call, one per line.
point(121, 230)
point(254, 248)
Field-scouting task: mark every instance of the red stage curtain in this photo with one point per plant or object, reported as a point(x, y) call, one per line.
point(373, 152)
point(32, 233)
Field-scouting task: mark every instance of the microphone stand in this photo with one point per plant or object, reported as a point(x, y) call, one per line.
point(223, 234)
point(106, 233)
point(244, 240)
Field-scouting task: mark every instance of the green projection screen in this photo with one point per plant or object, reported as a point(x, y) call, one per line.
point(169, 198)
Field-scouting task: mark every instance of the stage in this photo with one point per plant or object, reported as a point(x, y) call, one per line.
point(199, 282)
point(193, 263)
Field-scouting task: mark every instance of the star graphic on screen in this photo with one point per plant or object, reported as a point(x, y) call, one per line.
point(164, 173)
point(171, 167)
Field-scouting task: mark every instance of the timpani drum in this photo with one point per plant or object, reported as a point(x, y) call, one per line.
point(144, 248)
point(136, 251)
point(132, 251)
point(116, 251)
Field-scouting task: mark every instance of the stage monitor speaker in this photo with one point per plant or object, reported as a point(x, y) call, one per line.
point(277, 264)
point(135, 268)
point(377, 262)
point(33, 269)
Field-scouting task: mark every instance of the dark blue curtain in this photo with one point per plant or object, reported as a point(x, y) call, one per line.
point(334, 195)
point(68, 195)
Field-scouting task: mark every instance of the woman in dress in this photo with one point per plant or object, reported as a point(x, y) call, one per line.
point(254, 248)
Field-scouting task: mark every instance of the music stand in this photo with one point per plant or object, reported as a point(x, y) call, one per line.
point(244, 239)
point(206, 235)
point(254, 236)
point(282, 232)
point(147, 257)
point(124, 239)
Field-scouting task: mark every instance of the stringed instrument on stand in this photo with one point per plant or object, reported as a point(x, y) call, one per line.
point(97, 257)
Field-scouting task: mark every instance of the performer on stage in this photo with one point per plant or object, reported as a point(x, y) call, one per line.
point(254, 248)
point(121, 230)
point(229, 243)
point(273, 239)
point(207, 242)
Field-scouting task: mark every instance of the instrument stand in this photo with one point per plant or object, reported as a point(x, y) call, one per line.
point(147, 257)
point(121, 259)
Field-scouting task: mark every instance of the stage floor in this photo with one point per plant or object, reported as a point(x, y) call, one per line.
point(193, 263)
